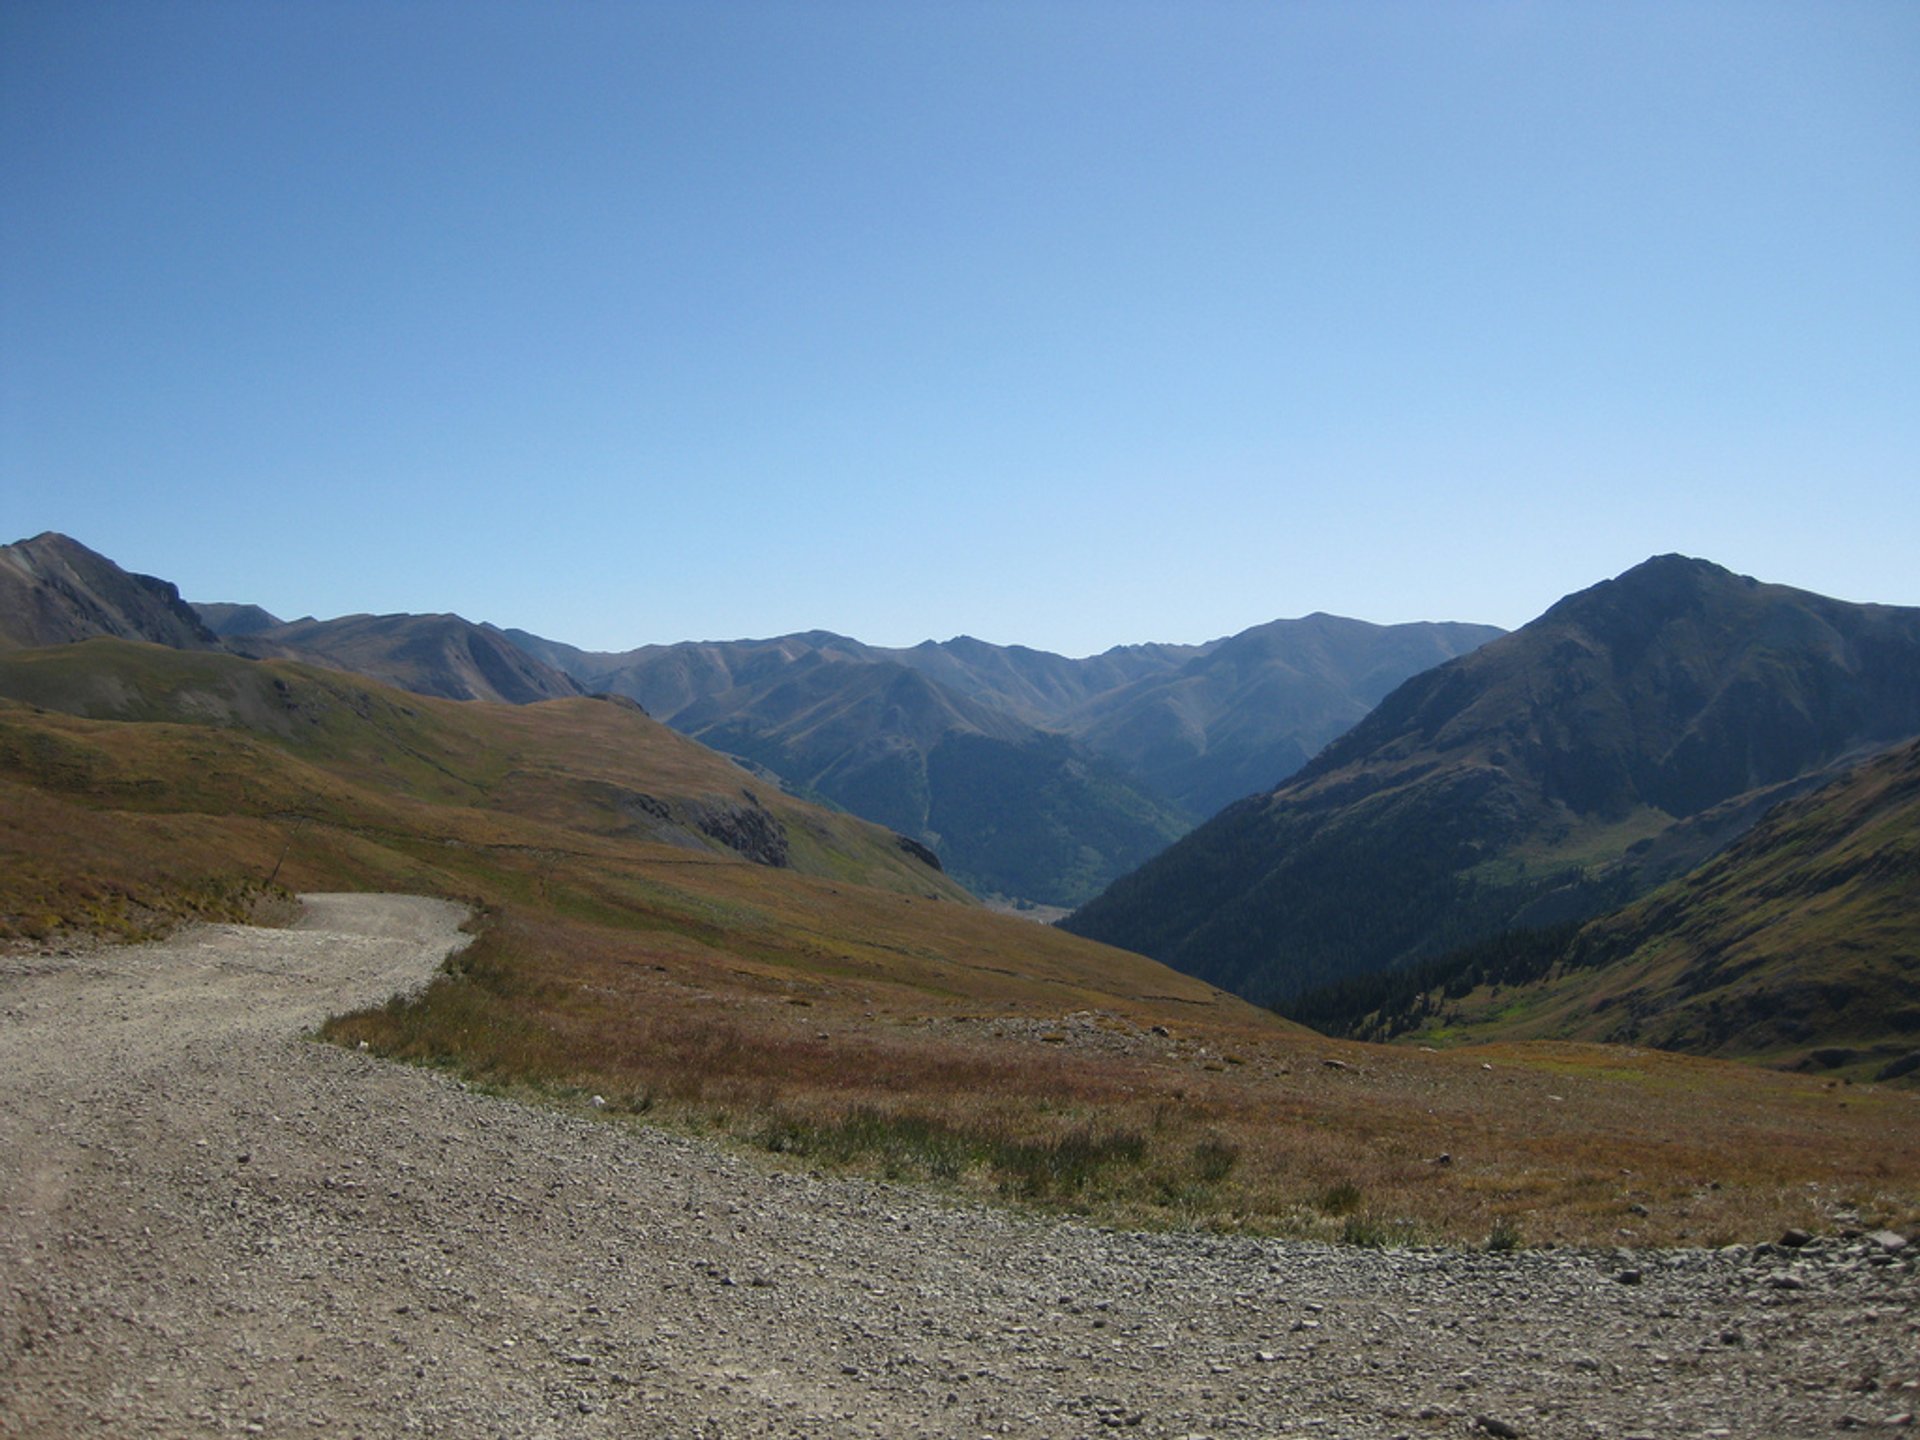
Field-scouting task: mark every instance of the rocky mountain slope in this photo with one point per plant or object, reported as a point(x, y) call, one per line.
point(232, 620)
point(1632, 730)
point(54, 590)
point(442, 655)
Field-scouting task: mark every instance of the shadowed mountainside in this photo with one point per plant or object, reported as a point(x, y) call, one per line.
point(1254, 708)
point(1798, 945)
point(1629, 732)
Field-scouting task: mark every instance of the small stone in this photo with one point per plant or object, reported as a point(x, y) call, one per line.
point(1629, 1277)
point(1795, 1238)
point(1493, 1425)
point(1890, 1241)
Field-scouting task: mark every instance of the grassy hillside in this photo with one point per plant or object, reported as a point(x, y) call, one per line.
point(1799, 945)
point(362, 785)
point(850, 1007)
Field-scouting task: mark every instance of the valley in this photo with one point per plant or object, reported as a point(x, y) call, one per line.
point(731, 1108)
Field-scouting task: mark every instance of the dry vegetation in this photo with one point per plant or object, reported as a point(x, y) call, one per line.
point(1226, 1121)
point(855, 1009)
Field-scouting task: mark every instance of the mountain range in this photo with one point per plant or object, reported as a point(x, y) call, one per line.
point(1032, 776)
point(1586, 829)
point(1629, 733)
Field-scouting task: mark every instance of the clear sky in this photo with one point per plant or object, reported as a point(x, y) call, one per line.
point(1066, 324)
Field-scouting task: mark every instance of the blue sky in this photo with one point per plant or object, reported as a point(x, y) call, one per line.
point(1065, 324)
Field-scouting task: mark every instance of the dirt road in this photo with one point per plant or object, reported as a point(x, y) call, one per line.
point(210, 1225)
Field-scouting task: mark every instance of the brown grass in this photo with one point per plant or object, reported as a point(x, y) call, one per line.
point(1543, 1143)
point(856, 1011)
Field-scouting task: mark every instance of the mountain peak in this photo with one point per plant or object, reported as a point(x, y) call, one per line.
point(1676, 694)
point(1662, 578)
point(54, 590)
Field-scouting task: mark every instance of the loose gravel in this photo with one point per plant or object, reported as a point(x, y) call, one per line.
point(212, 1225)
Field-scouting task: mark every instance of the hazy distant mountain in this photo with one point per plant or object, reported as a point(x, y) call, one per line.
point(1119, 752)
point(1037, 685)
point(441, 655)
point(235, 620)
point(668, 679)
point(1009, 809)
point(1195, 726)
point(54, 590)
point(1552, 773)
point(1244, 713)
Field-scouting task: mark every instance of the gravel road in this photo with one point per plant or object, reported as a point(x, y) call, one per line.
point(211, 1225)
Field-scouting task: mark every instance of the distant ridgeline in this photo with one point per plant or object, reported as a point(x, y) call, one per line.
point(1030, 775)
point(1489, 805)
point(1033, 775)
